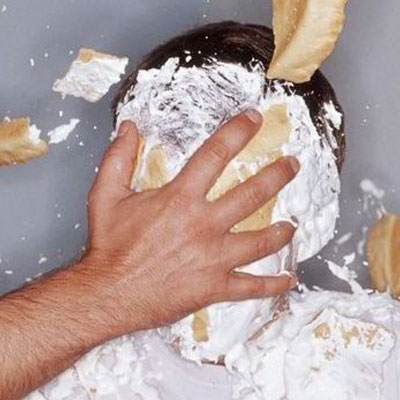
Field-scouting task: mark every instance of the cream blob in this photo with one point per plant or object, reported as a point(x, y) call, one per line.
point(115, 370)
point(61, 133)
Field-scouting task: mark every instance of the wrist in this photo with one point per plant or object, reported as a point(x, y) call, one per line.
point(91, 305)
point(113, 309)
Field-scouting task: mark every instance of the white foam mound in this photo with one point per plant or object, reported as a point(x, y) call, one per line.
point(296, 358)
point(330, 345)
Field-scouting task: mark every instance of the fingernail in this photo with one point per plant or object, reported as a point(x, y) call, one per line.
point(295, 221)
point(294, 163)
point(293, 280)
point(254, 116)
point(123, 129)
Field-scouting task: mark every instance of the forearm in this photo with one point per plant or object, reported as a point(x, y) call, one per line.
point(46, 327)
point(155, 257)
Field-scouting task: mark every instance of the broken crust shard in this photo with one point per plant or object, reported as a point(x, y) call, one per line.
point(86, 55)
point(91, 75)
point(151, 171)
point(19, 142)
point(383, 252)
point(306, 32)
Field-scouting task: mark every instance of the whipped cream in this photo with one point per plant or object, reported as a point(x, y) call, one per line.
point(287, 362)
point(333, 115)
point(61, 133)
point(335, 357)
point(91, 78)
point(344, 273)
point(329, 346)
point(180, 108)
point(369, 187)
point(114, 371)
point(34, 134)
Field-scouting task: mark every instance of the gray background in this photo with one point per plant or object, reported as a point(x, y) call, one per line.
point(41, 202)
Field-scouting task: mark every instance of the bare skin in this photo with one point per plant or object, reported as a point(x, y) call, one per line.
point(153, 258)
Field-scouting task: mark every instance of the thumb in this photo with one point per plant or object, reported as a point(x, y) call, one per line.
point(116, 168)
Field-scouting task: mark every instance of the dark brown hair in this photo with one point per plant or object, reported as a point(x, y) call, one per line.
point(245, 45)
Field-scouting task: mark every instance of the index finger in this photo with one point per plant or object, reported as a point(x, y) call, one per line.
point(203, 169)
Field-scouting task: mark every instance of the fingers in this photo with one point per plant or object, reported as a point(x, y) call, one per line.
point(116, 168)
point(246, 198)
point(241, 286)
point(247, 247)
point(201, 172)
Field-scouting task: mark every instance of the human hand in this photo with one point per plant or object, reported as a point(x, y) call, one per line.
point(159, 255)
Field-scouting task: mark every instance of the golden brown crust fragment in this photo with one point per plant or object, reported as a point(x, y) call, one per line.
point(383, 252)
point(154, 171)
point(322, 331)
point(306, 32)
point(16, 146)
point(200, 326)
point(138, 160)
point(86, 55)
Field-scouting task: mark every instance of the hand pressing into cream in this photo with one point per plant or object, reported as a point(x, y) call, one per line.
point(153, 258)
point(168, 252)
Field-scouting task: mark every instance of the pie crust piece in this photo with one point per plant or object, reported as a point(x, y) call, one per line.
point(17, 146)
point(306, 32)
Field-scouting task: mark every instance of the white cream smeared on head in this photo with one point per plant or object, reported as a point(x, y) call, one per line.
point(180, 108)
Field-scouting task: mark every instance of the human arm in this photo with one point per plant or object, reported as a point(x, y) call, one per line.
point(153, 258)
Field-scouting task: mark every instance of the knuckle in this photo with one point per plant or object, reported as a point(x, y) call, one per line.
point(217, 152)
point(263, 247)
point(246, 126)
point(255, 195)
point(113, 155)
point(178, 200)
point(285, 170)
point(283, 233)
point(221, 287)
point(209, 293)
point(199, 230)
point(217, 288)
point(257, 288)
